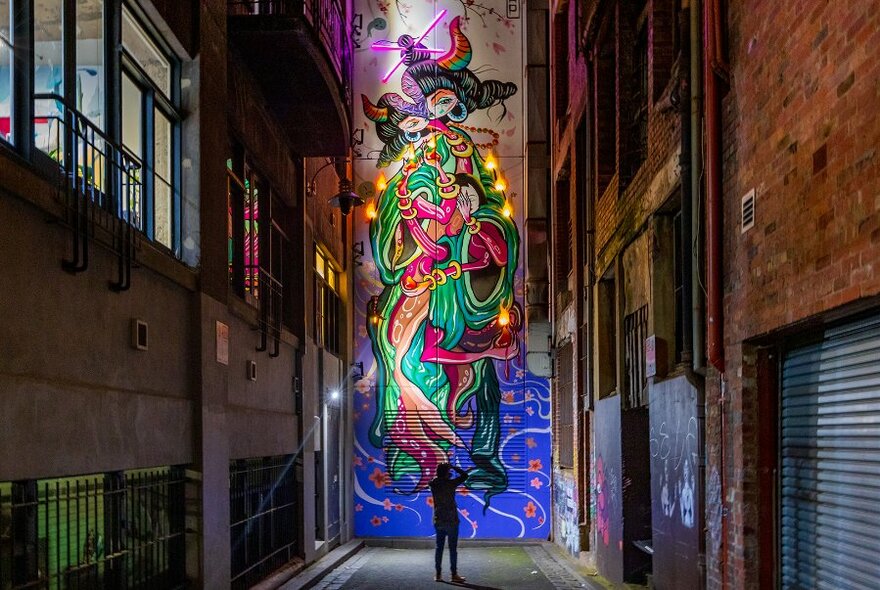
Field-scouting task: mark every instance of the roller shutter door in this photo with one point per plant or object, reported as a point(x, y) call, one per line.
point(830, 488)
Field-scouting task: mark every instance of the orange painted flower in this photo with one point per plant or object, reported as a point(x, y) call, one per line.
point(530, 442)
point(429, 501)
point(530, 509)
point(387, 504)
point(358, 507)
point(375, 521)
point(535, 465)
point(463, 491)
point(398, 507)
point(536, 483)
point(379, 478)
point(508, 397)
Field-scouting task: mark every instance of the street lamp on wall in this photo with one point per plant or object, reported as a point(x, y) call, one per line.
point(345, 200)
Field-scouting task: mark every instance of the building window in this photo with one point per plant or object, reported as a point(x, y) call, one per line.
point(259, 226)
point(6, 80)
point(328, 306)
point(150, 125)
point(565, 406)
point(263, 517)
point(605, 104)
point(635, 330)
point(110, 530)
point(75, 122)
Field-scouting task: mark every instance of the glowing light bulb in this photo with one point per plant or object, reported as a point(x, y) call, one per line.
point(490, 162)
point(500, 186)
point(432, 143)
point(503, 317)
point(334, 395)
point(375, 320)
point(410, 153)
point(507, 210)
point(371, 210)
point(381, 183)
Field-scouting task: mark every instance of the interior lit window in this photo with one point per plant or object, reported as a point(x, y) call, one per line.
point(149, 126)
point(6, 100)
point(48, 76)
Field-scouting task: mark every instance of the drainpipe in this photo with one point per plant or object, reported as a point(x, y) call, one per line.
point(685, 162)
point(715, 344)
point(696, 151)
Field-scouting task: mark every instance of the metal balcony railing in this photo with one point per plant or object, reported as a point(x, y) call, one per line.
point(327, 18)
point(100, 184)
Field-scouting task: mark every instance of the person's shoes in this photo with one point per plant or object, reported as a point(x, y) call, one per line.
point(457, 579)
point(438, 578)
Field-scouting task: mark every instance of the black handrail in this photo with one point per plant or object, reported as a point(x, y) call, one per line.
point(271, 301)
point(98, 175)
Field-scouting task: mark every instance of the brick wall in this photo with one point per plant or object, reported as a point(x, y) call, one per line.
point(800, 128)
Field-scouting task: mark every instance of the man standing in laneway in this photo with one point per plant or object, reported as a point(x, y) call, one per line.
point(446, 517)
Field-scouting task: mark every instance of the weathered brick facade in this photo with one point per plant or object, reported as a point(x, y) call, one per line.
point(800, 127)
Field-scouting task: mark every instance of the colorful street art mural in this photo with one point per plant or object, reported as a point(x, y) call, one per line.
point(439, 293)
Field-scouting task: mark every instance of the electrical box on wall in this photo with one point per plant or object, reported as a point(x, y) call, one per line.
point(251, 370)
point(140, 334)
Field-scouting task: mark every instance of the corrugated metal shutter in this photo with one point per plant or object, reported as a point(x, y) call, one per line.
point(830, 528)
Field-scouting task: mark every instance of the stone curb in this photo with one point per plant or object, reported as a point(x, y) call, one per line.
point(315, 572)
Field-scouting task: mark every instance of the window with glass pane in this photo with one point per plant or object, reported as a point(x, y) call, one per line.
point(89, 95)
point(253, 188)
point(6, 99)
point(142, 49)
point(48, 75)
point(149, 122)
point(328, 307)
point(162, 194)
point(133, 140)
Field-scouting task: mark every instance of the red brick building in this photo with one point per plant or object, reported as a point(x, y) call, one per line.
point(791, 417)
point(715, 223)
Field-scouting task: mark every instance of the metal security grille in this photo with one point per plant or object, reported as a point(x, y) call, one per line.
point(113, 530)
point(830, 486)
point(635, 330)
point(263, 533)
point(564, 414)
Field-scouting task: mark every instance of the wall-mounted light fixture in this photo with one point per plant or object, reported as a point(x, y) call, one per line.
point(345, 200)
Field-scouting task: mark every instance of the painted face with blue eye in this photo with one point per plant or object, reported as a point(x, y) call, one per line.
point(413, 124)
point(441, 102)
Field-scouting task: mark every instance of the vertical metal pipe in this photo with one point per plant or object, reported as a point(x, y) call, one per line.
point(695, 247)
point(714, 310)
point(685, 163)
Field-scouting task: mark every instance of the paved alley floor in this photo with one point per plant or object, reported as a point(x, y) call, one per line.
point(527, 567)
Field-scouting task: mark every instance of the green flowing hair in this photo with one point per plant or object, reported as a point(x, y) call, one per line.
point(455, 306)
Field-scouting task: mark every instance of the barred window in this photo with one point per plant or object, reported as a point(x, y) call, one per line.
point(328, 305)
point(110, 530)
point(263, 517)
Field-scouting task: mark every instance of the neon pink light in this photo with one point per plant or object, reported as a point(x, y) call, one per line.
point(420, 38)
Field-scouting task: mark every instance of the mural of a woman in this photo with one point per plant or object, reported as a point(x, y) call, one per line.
point(446, 250)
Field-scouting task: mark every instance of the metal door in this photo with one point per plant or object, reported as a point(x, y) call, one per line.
point(830, 458)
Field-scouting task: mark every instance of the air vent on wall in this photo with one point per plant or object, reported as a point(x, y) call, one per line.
point(748, 211)
point(140, 334)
